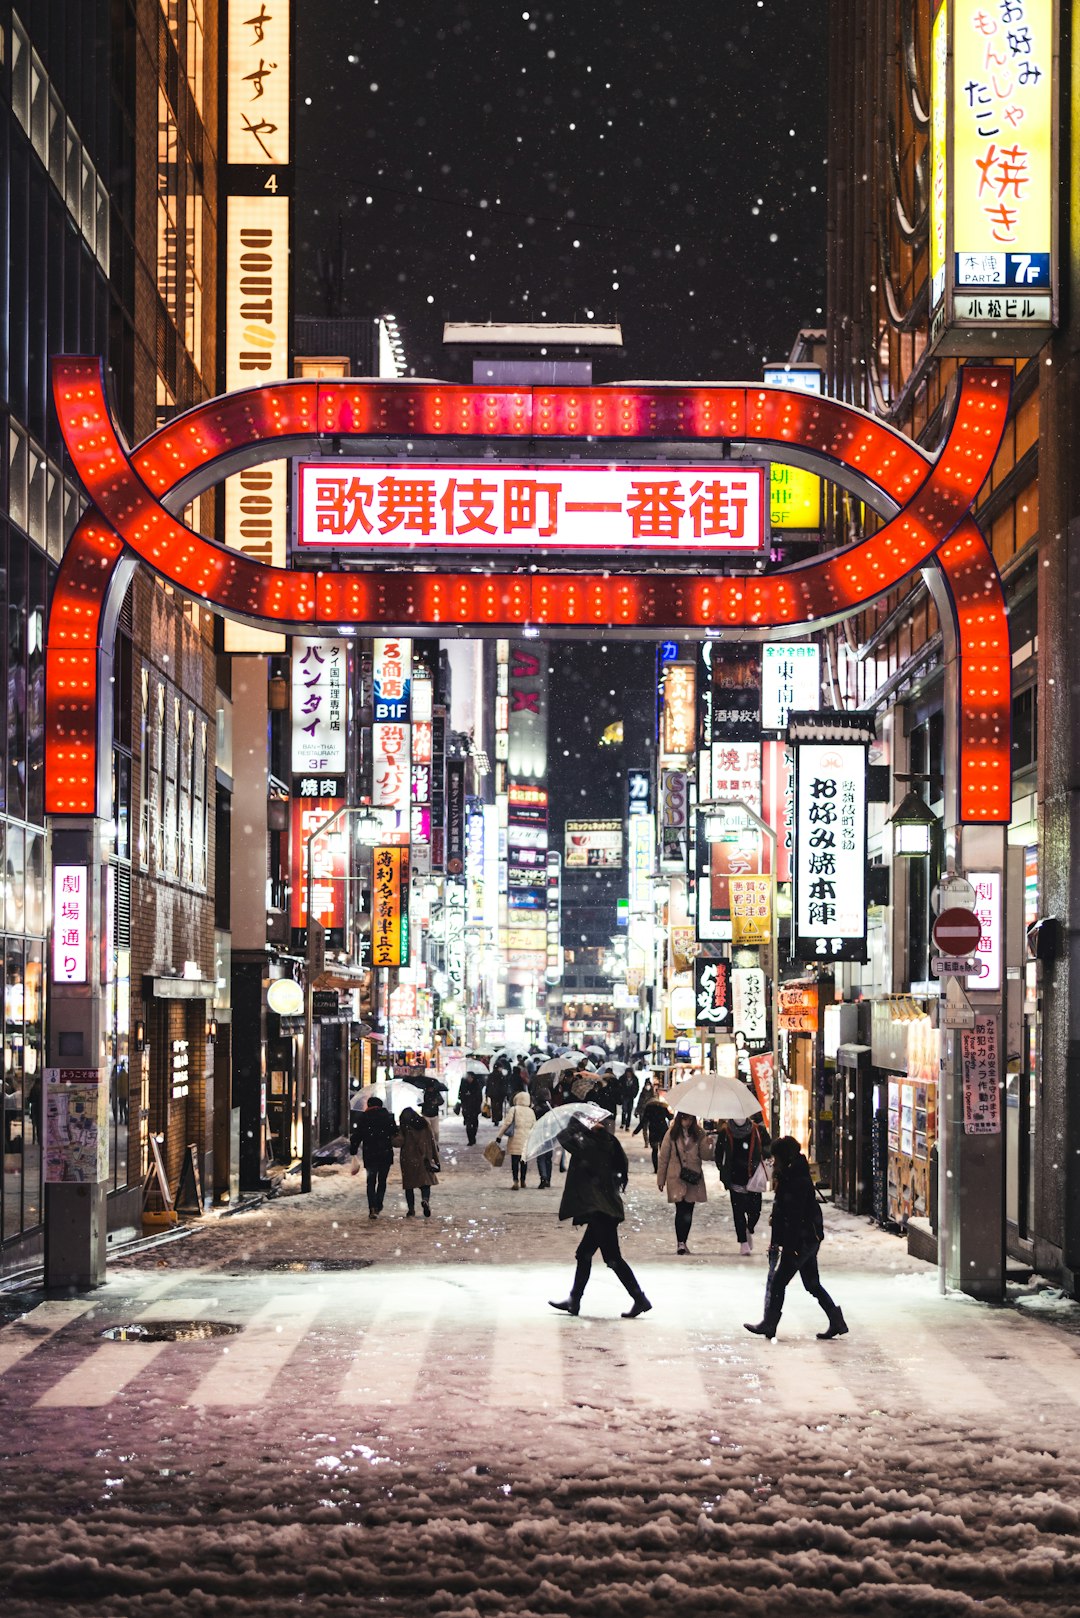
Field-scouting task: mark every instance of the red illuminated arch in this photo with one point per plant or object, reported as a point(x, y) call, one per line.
point(931, 499)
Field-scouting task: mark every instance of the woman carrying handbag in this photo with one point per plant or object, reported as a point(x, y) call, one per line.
point(741, 1150)
point(679, 1172)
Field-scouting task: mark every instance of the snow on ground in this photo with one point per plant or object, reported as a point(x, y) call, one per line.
point(426, 1436)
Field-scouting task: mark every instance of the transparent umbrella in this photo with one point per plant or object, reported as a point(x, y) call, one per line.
point(473, 1066)
point(546, 1130)
point(557, 1064)
point(713, 1095)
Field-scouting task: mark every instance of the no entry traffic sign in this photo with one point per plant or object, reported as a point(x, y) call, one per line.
point(957, 932)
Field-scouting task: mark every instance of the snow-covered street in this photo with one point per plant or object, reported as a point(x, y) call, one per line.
point(425, 1435)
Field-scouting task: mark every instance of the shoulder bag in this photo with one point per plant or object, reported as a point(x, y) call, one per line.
point(687, 1176)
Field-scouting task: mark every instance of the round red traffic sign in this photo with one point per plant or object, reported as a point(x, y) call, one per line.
point(957, 932)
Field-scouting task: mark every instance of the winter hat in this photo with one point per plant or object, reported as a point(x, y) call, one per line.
point(374, 1101)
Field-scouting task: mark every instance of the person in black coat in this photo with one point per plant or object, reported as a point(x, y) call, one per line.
point(372, 1136)
point(741, 1149)
point(496, 1091)
point(471, 1100)
point(591, 1197)
point(628, 1088)
point(654, 1121)
point(797, 1234)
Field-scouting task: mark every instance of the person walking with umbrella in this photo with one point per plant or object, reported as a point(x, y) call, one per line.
point(797, 1234)
point(470, 1100)
point(541, 1107)
point(372, 1135)
point(680, 1173)
point(431, 1105)
point(418, 1154)
point(653, 1123)
point(591, 1197)
point(741, 1149)
point(517, 1127)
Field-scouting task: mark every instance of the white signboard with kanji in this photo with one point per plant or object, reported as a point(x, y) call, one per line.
point(979, 1063)
point(442, 506)
point(829, 921)
point(790, 678)
point(319, 717)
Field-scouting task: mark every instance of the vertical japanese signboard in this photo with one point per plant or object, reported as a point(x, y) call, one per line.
point(328, 863)
point(455, 817)
point(674, 819)
point(641, 854)
point(319, 706)
point(257, 142)
point(712, 994)
point(554, 916)
point(390, 906)
point(790, 678)
point(736, 695)
point(420, 736)
point(748, 1013)
point(391, 763)
point(987, 906)
point(993, 175)
point(71, 922)
point(678, 723)
point(829, 909)
point(527, 717)
point(979, 1065)
point(750, 899)
point(794, 494)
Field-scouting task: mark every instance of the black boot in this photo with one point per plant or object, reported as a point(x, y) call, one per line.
point(838, 1326)
point(569, 1306)
point(640, 1306)
point(764, 1328)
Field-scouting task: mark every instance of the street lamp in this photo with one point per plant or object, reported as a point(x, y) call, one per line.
point(913, 823)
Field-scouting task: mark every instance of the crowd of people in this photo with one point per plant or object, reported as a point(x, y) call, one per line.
point(516, 1095)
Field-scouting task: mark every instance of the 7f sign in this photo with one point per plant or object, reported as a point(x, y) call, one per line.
point(829, 910)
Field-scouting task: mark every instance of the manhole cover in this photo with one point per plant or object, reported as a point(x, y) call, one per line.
point(298, 1266)
point(171, 1331)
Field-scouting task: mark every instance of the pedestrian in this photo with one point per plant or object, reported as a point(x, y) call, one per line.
point(680, 1173)
point(542, 1105)
point(431, 1105)
point(647, 1094)
point(628, 1095)
point(797, 1234)
point(607, 1093)
point(496, 1092)
point(470, 1100)
point(517, 1127)
point(591, 1197)
point(418, 1154)
point(372, 1135)
point(653, 1123)
point(741, 1150)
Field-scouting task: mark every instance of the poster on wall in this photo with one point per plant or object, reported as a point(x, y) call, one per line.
point(979, 1066)
point(76, 1126)
point(829, 908)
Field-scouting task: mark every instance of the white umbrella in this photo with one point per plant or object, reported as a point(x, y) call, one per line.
point(713, 1095)
point(618, 1068)
point(473, 1066)
point(544, 1132)
point(506, 1056)
point(557, 1064)
point(579, 1056)
point(595, 1050)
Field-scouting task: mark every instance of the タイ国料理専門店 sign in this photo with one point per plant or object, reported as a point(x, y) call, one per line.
point(829, 867)
point(319, 706)
point(436, 506)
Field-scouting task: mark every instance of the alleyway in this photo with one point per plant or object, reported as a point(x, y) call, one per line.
point(425, 1435)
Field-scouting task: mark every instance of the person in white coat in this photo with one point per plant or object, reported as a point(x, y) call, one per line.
point(517, 1127)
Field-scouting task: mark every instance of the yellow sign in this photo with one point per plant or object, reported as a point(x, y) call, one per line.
point(751, 909)
point(679, 719)
point(794, 497)
point(390, 907)
point(258, 84)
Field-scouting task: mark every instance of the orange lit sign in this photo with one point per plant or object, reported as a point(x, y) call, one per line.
point(390, 907)
point(328, 862)
point(126, 489)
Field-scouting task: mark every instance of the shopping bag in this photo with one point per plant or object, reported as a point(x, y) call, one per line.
point(495, 1154)
point(759, 1180)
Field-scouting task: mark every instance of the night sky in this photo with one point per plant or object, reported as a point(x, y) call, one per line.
point(659, 165)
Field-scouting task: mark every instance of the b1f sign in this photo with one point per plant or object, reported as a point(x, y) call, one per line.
point(71, 922)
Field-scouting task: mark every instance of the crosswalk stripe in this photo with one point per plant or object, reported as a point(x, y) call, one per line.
point(391, 1353)
point(945, 1382)
point(805, 1378)
point(250, 1361)
point(1051, 1360)
point(21, 1338)
point(526, 1374)
point(102, 1377)
point(662, 1373)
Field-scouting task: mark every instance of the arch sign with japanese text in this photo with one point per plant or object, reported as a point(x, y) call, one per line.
point(423, 507)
